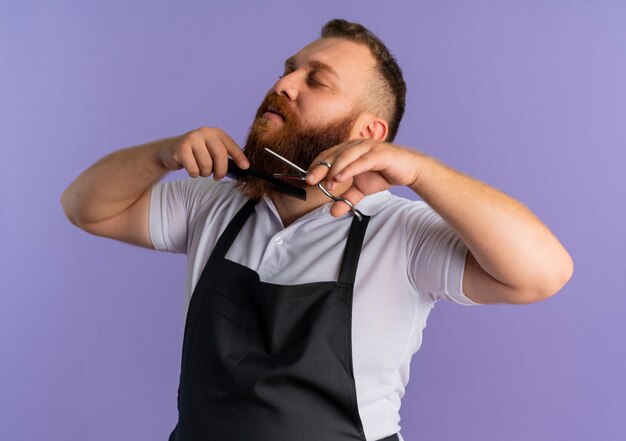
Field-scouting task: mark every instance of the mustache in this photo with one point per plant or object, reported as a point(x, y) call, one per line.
point(280, 104)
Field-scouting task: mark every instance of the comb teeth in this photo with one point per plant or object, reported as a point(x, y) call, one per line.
point(281, 186)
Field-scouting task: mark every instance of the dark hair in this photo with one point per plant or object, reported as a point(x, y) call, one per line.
point(388, 94)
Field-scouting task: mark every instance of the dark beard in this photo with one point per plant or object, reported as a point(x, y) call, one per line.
point(299, 144)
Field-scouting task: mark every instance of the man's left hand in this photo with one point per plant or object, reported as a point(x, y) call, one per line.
point(370, 165)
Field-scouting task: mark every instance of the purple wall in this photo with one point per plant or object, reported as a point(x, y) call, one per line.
point(529, 97)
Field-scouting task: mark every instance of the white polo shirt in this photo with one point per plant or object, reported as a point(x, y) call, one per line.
point(410, 259)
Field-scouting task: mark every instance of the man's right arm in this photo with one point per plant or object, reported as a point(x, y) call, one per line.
point(112, 197)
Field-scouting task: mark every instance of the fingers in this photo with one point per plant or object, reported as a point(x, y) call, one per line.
point(188, 160)
point(203, 159)
point(234, 150)
point(205, 151)
point(370, 156)
point(355, 158)
point(342, 153)
point(359, 168)
point(345, 171)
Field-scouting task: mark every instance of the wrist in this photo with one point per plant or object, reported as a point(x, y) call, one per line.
point(420, 163)
point(160, 152)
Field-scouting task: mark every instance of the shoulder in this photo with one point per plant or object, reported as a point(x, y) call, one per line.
point(196, 197)
point(198, 191)
point(384, 204)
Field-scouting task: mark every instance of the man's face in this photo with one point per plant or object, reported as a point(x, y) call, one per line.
point(311, 108)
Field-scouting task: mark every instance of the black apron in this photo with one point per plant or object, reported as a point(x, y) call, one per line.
point(267, 362)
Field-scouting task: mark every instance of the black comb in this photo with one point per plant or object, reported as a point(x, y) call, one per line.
point(282, 186)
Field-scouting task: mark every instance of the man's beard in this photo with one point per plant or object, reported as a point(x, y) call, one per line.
point(293, 141)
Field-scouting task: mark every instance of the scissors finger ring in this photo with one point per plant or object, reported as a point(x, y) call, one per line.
point(327, 164)
point(354, 211)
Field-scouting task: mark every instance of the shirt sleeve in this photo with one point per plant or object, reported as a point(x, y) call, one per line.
point(436, 256)
point(173, 209)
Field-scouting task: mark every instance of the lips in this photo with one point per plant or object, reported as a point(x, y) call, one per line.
point(273, 115)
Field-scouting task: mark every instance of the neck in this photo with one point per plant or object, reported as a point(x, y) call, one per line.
point(290, 209)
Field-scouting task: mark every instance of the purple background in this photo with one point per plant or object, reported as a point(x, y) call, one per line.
point(529, 97)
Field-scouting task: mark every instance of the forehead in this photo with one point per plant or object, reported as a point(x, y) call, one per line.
point(352, 61)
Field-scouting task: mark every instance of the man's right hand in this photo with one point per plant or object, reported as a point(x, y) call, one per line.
point(112, 197)
point(202, 152)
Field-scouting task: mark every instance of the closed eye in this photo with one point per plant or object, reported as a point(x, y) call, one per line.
point(315, 83)
point(311, 80)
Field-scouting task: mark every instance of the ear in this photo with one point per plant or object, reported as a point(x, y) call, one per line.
point(371, 127)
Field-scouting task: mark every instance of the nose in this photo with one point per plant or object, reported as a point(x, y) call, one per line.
point(287, 86)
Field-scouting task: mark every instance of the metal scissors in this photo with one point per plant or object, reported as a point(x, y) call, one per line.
point(302, 176)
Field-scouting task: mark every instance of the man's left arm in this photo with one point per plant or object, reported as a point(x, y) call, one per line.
point(513, 257)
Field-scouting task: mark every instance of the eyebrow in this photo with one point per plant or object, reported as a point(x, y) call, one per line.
point(316, 64)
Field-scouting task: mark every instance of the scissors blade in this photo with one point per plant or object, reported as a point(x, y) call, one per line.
point(303, 172)
point(286, 161)
point(298, 176)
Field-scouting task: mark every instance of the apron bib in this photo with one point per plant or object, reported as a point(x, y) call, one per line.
point(268, 362)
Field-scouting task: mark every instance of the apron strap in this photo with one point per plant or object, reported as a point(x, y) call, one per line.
point(351, 255)
point(232, 230)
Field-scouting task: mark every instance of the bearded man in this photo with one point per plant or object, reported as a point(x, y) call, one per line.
point(302, 318)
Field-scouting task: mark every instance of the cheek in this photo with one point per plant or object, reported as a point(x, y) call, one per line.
point(321, 114)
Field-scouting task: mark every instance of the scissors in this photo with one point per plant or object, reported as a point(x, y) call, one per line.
point(302, 176)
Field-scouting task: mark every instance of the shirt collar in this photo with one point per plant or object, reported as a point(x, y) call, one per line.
point(369, 206)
